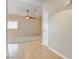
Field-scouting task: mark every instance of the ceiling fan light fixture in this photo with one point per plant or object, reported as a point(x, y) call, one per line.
point(27, 17)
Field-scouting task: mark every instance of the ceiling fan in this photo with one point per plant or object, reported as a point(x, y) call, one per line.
point(30, 17)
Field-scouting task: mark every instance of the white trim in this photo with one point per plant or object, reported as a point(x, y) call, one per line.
point(64, 57)
point(53, 50)
point(45, 44)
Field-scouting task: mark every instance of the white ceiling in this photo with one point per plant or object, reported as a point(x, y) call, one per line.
point(19, 7)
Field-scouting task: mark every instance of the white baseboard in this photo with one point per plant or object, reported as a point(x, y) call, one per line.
point(45, 44)
point(64, 57)
point(53, 50)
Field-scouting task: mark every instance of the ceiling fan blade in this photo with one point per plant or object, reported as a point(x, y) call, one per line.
point(35, 18)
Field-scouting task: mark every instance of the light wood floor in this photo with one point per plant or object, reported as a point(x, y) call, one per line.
point(33, 50)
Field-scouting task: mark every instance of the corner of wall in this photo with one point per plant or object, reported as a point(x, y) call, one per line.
point(53, 50)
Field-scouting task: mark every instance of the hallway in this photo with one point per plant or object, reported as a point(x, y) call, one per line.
point(38, 28)
point(30, 50)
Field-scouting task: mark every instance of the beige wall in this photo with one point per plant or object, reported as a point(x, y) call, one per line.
point(61, 33)
point(24, 27)
point(60, 26)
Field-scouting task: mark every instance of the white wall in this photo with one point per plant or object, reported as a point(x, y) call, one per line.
point(25, 27)
point(60, 26)
point(61, 33)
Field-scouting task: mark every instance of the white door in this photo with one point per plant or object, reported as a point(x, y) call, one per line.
point(45, 25)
